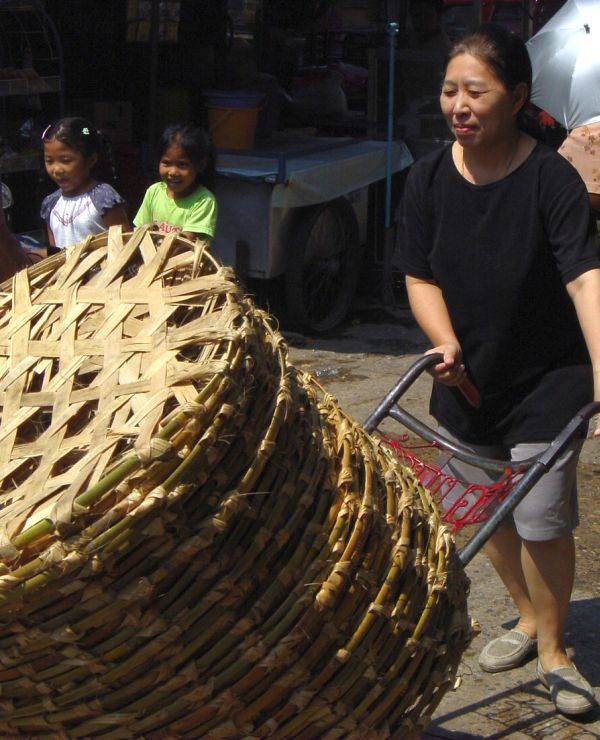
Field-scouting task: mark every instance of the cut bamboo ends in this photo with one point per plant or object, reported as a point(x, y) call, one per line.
point(195, 539)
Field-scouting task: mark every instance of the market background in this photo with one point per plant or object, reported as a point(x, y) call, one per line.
point(318, 72)
point(322, 70)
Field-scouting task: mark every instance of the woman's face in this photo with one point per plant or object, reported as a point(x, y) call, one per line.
point(477, 106)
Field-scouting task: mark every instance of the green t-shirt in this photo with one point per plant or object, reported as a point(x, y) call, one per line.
point(196, 213)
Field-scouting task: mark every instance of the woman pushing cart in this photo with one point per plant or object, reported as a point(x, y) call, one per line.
point(503, 275)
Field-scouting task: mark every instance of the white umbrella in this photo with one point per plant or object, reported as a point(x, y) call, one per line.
point(565, 56)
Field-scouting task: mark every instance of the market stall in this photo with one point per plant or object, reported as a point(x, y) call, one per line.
point(31, 93)
point(299, 209)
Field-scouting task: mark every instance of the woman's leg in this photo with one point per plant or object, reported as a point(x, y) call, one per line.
point(539, 578)
point(533, 553)
point(504, 551)
point(549, 569)
point(544, 522)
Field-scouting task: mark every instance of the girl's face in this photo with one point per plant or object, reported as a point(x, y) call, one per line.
point(68, 167)
point(177, 171)
point(476, 104)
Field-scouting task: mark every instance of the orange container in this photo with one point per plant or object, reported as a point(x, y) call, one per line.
point(233, 118)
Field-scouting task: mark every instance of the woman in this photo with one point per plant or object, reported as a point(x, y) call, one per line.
point(12, 257)
point(503, 275)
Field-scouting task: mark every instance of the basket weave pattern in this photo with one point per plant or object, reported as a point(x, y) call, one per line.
point(195, 539)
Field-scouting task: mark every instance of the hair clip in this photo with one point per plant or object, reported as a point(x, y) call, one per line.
point(46, 131)
point(85, 131)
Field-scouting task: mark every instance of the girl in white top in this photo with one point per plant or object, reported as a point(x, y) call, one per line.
point(82, 205)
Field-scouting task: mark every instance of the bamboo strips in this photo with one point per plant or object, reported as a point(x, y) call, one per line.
point(194, 539)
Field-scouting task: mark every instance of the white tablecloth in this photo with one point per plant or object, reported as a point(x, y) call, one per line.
point(313, 177)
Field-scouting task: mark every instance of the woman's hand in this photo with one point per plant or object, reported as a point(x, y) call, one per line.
point(451, 371)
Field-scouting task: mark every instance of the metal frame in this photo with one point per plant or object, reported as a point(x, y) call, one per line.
point(533, 468)
point(48, 29)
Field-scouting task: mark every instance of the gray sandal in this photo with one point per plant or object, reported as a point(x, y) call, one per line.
point(506, 652)
point(569, 690)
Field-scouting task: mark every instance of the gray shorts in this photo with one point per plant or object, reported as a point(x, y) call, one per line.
point(549, 510)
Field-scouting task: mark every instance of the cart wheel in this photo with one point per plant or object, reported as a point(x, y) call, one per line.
point(322, 266)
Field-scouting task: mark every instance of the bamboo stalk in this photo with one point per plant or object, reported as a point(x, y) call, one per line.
point(214, 547)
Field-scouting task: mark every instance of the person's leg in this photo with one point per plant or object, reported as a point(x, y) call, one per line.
point(504, 551)
point(533, 549)
point(544, 522)
point(549, 569)
point(539, 578)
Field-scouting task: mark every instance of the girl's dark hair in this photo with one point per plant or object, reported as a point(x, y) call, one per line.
point(81, 135)
point(196, 143)
point(503, 51)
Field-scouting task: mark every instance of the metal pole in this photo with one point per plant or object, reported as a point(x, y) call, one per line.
point(522, 488)
point(392, 33)
point(477, 13)
point(544, 462)
point(59, 50)
point(153, 87)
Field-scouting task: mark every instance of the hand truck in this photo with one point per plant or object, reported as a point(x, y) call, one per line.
point(518, 479)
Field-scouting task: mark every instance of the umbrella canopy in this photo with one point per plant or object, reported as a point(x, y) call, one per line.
point(565, 55)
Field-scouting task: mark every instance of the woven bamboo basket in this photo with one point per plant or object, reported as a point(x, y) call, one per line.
point(195, 539)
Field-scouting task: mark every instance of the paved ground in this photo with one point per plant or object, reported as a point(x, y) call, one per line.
point(359, 366)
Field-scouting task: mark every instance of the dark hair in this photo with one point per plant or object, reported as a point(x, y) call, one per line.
point(197, 145)
point(79, 134)
point(503, 51)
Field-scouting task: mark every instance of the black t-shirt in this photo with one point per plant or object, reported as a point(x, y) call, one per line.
point(501, 254)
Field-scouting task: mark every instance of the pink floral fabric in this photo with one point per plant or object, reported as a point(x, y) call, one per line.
point(582, 149)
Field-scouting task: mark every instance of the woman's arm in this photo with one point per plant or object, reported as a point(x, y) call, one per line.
point(595, 201)
point(430, 311)
point(116, 216)
point(585, 294)
point(12, 257)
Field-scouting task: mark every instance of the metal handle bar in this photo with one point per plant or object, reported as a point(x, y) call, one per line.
point(534, 467)
point(389, 407)
point(544, 462)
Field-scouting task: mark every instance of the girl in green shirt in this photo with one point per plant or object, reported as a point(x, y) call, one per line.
point(182, 202)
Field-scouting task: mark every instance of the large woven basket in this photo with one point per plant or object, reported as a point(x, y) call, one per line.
point(195, 539)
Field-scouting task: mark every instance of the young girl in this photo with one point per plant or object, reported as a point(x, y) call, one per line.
point(82, 205)
point(182, 202)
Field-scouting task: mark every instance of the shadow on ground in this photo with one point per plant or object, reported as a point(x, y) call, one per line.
point(523, 711)
point(505, 705)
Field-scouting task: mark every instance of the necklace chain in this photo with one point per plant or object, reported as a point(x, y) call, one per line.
point(508, 166)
